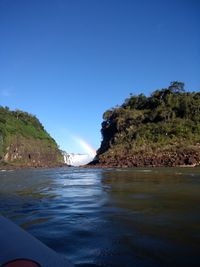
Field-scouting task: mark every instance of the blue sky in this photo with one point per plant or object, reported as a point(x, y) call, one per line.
point(69, 61)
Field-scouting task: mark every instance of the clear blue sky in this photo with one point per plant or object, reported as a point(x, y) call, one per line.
point(67, 61)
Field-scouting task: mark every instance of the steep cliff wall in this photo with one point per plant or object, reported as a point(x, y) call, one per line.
point(24, 141)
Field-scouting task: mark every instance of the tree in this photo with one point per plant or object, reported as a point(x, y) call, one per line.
point(176, 87)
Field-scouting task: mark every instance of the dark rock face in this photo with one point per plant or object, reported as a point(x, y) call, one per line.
point(24, 152)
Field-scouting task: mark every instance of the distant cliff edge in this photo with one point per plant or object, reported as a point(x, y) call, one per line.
point(24, 141)
point(160, 130)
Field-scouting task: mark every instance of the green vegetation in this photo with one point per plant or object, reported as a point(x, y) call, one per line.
point(20, 129)
point(167, 120)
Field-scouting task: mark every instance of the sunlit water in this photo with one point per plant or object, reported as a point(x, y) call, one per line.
point(109, 217)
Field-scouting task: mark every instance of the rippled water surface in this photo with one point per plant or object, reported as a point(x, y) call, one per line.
point(109, 217)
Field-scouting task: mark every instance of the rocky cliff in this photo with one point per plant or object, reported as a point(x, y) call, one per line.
point(24, 141)
point(160, 130)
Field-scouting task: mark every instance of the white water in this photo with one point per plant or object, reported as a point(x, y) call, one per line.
point(76, 159)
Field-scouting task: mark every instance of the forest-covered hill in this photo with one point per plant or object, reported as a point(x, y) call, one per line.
point(24, 141)
point(162, 129)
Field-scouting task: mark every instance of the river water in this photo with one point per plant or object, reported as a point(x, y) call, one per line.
point(109, 217)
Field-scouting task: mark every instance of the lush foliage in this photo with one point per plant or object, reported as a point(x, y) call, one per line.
point(167, 119)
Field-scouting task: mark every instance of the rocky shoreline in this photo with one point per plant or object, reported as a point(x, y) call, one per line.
point(165, 159)
point(5, 166)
